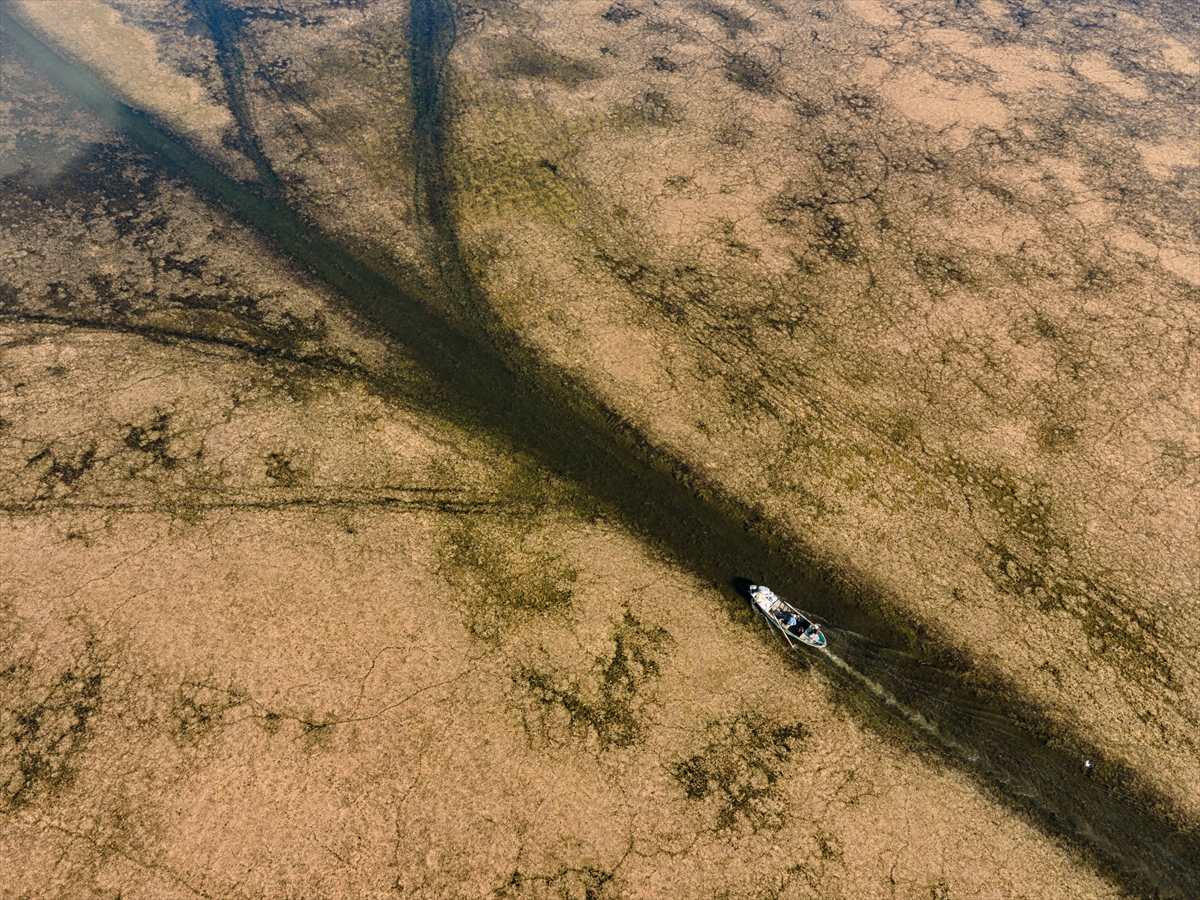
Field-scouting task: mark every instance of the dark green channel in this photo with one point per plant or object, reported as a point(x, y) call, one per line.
point(490, 381)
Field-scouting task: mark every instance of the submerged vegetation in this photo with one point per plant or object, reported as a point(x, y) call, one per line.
point(739, 769)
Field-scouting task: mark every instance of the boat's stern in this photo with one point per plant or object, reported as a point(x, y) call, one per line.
point(814, 640)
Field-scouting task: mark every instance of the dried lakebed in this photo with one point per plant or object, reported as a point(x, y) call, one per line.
point(888, 675)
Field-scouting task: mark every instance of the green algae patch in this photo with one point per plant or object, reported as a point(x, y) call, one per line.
point(602, 705)
point(513, 568)
point(47, 717)
point(1118, 633)
point(739, 769)
point(1022, 508)
point(651, 108)
point(374, 64)
point(508, 157)
point(521, 57)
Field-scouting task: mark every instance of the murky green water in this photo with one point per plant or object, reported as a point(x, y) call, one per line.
point(908, 688)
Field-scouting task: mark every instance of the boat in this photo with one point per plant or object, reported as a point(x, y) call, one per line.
point(795, 625)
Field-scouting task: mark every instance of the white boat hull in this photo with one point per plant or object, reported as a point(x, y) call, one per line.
point(789, 621)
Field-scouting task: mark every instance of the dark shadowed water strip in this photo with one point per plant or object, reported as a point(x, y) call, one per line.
point(216, 16)
point(492, 385)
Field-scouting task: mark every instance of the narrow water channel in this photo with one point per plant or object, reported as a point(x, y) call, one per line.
point(882, 668)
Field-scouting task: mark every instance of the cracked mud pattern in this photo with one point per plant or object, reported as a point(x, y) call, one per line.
point(917, 284)
point(920, 282)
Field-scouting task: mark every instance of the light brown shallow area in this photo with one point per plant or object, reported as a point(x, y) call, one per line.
point(274, 625)
point(255, 685)
point(912, 279)
point(269, 633)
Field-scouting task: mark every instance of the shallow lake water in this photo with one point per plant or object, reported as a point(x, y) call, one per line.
point(914, 688)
